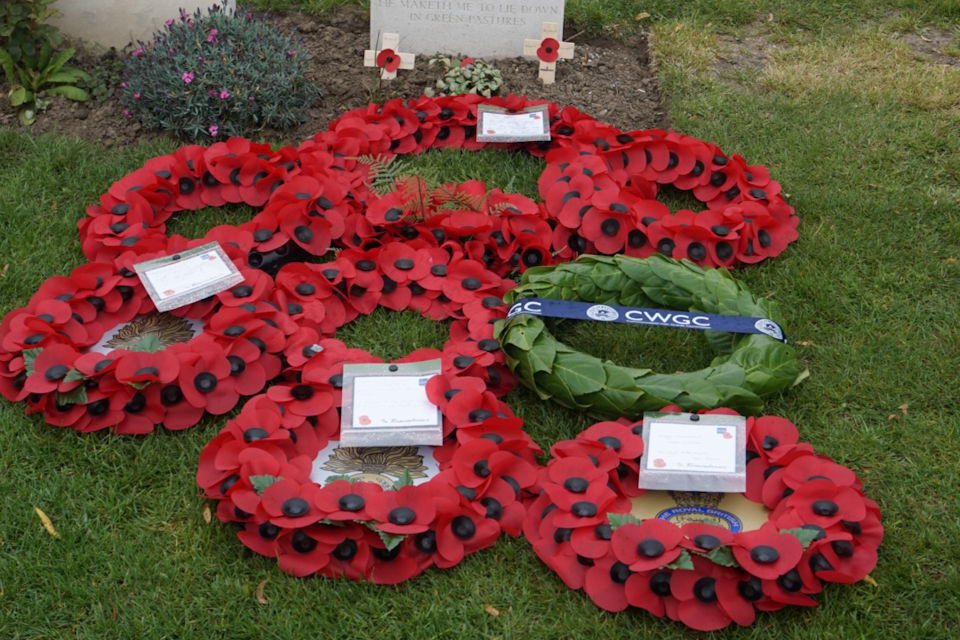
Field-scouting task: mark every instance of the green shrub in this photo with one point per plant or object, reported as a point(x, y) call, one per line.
point(28, 61)
point(470, 76)
point(207, 76)
point(24, 29)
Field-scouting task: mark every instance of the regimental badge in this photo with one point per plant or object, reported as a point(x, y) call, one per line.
point(375, 464)
point(163, 329)
point(732, 511)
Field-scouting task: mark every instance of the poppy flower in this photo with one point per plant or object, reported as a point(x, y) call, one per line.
point(823, 503)
point(621, 438)
point(302, 399)
point(290, 504)
point(443, 387)
point(813, 467)
point(249, 369)
point(765, 553)
point(479, 462)
point(698, 593)
point(408, 510)
point(393, 566)
point(588, 509)
point(343, 500)
point(401, 263)
point(669, 159)
point(703, 538)
point(52, 370)
point(650, 590)
point(604, 583)
point(763, 235)
point(205, 381)
point(141, 367)
point(101, 411)
point(599, 455)
point(461, 533)
point(470, 408)
point(390, 209)
point(141, 410)
point(404, 124)
point(301, 346)
point(790, 588)
point(304, 552)
point(591, 542)
point(569, 478)
point(568, 243)
point(178, 412)
point(55, 411)
point(388, 60)
point(26, 330)
point(469, 358)
point(840, 560)
point(549, 50)
point(772, 436)
point(352, 556)
point(557, 553)
point(263, 537)
point(468, 280)
point(648, 545)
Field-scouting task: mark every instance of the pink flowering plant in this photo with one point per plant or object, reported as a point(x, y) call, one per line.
point(218, 74)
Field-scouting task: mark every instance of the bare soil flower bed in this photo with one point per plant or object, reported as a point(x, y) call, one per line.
point(612, 80)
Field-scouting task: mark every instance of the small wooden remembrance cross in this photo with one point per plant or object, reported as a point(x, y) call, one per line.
point(548, 49)
point(388, 57)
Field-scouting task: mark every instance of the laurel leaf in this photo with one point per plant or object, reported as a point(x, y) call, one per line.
point(683, 561)
point(260, 483)
point(619, 519)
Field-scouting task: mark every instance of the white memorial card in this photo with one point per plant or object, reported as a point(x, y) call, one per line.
point(495, 124)
point(387, 405)
point(188, 276)
point(391, 401)
point(692, 452)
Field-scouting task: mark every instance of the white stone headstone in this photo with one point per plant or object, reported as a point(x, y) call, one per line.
point(114, 23)
point(480, 28)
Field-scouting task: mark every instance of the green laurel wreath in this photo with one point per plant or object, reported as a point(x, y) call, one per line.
point(747, 367)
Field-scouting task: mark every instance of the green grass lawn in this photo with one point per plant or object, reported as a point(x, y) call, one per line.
point(861, 131)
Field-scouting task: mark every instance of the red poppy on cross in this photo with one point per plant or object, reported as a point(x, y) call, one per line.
point(388, 58)
point(549, 48)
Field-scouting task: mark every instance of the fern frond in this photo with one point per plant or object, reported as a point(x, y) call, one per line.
point(384, 172)
point(447, 197)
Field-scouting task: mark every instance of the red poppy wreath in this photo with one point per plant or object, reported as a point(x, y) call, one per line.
point(380, 514)
point(90, 351)
point(803, 522)
point(598, 190)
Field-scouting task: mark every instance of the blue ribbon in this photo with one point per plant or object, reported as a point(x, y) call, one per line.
point(651, 317)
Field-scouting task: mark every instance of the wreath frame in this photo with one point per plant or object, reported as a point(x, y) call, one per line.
point(747, 367)
point(821, 529)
